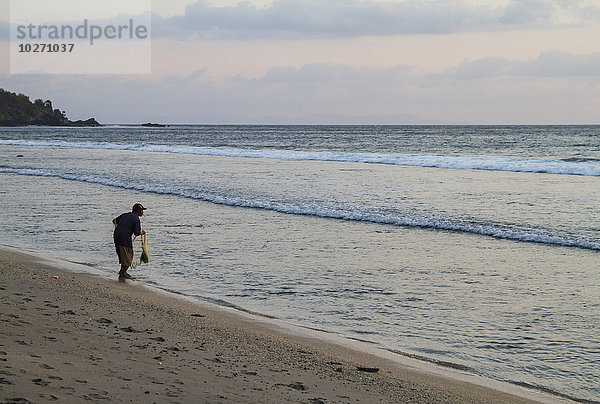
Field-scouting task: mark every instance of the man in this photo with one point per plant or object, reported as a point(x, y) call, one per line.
point(126, 225)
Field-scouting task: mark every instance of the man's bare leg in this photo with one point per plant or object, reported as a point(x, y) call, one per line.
point(123, 272)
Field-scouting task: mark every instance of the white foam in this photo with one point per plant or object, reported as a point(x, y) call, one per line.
point(549, 166)
point(356, 215)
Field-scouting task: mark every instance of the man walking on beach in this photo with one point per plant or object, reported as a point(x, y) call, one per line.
point(126, 225)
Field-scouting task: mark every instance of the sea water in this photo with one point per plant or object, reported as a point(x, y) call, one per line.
point(476, 247)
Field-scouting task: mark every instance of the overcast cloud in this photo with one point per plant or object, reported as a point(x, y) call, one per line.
point(351, 61)
point(547, 64)
point(301, 19)
point(488, 90)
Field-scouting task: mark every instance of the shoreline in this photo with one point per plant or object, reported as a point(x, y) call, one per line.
point(205, 352)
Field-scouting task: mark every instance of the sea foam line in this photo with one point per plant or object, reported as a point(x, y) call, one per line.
point(356, 215)
point(548, 166)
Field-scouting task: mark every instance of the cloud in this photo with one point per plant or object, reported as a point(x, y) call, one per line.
point(487, 90)
point(305, 19)
point(559, 64)
point(334, 73)
point(528, 12)
point(481, 68)
point(547, 64)
point(340, 78)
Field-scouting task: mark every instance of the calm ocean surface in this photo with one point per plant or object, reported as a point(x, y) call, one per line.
point(474, 246)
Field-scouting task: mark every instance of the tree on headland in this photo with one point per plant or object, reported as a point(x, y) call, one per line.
point(18, 110)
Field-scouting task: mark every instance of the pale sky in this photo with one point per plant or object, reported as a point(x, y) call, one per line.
point(347, 61)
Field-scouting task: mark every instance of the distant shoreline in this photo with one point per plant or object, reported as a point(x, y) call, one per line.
point(17, 110)
point(71, 124)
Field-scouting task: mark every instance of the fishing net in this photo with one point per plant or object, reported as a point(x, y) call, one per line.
point(140, 249)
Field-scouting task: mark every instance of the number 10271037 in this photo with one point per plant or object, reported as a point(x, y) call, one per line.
point(46, 47)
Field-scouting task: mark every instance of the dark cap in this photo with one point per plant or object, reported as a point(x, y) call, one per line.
point(138, 206)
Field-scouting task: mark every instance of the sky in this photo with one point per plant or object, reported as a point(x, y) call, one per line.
point(346, 62)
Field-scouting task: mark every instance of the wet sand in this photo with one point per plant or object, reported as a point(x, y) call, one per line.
point(75, 337)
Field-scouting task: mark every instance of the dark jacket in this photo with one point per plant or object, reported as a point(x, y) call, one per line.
point(127, 224)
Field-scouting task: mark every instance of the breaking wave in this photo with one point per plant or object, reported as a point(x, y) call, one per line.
point(354, 214)
point(586, 167)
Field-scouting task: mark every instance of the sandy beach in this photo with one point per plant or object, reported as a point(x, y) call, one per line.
point(77, 337)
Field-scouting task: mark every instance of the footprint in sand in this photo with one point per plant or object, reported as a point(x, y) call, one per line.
point(4, 380)
point(40, 382)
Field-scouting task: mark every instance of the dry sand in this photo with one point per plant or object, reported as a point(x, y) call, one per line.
point(75, 337)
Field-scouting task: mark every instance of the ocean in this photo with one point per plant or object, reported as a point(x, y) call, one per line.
point(476, 247)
